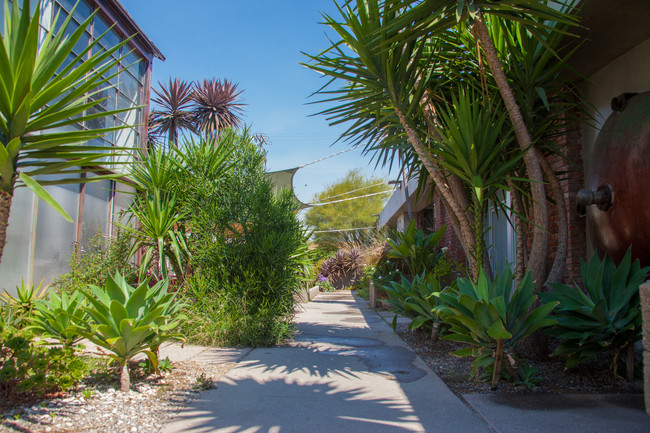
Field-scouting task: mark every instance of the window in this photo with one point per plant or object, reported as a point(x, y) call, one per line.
point(124, 90)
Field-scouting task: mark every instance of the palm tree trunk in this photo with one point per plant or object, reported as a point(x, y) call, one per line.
point(520, 232)
point(5, 208)
point(539, 248)
point(559, 262)
point(467, 235)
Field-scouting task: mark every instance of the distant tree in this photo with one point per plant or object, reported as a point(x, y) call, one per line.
point(348, 214)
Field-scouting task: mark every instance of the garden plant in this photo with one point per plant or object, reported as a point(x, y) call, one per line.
point(604, 317)
point(492, 317)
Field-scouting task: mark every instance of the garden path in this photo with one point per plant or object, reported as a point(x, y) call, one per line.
point(346, 371)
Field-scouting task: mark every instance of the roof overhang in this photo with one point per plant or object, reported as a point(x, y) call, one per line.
point(610, 29)
point(115, 10)
point(396, 204)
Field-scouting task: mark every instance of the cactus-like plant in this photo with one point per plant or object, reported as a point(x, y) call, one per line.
point(129, 320)
point(606, 316)
point(54, 318)
point(492, 317)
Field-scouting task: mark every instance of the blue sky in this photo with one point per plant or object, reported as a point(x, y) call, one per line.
point(257, 44)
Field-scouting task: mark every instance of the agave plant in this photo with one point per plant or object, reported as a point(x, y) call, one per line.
point(54, 318)
point(26, 299)
point(492, 317)
point(216, 106)
point(605, 317)
point(46, 88)
point(419, 300)
point(127, 320)
point(418, 251)
point(174, 102)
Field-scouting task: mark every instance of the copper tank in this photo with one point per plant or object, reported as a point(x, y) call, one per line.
point(617, 175)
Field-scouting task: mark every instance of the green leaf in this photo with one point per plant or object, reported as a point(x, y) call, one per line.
point(498, 332)
point(44, 195)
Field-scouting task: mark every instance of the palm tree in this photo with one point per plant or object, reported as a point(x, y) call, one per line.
point(42, 93)
point(173, 113)
point(409, 57)
point(216, 106)
point(429, 18)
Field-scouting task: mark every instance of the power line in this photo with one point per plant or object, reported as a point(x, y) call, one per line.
point(342, 230)
point(346, 199)
point(331, 156)
point(355, 190)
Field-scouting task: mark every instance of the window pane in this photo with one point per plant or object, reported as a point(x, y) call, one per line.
point(82, 11)
point(111, 38)
point(128, 117)
point(97, 197)
point(54, 236)
point(129, 86)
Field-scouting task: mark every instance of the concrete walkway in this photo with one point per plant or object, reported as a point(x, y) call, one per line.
point(346, 371)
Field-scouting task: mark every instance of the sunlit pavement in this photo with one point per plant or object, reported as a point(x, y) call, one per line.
point(346, 371)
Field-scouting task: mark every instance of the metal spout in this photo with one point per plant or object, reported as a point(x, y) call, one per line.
point(603, 198)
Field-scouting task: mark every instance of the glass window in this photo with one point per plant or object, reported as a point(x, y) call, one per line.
point(111, 38)
point(97, 196)
point(54, 236)
point(129, 86)
point(82, 11)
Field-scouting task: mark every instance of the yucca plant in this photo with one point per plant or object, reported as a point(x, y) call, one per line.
point(418, 251)
point(492, 317)
point(418, 300)
point(129, 320)
point(605, 317)
point(44, 89)
point(55, 317)
point(25, 301)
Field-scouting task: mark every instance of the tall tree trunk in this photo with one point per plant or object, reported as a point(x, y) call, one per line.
point(559, 262)
point(520, 230)
point(539, 248)
point(467, 238)
point(5, 208)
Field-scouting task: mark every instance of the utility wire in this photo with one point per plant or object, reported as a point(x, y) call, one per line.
point(346, 199)
point(342, 230)
point(355, 190)
point(331, 156)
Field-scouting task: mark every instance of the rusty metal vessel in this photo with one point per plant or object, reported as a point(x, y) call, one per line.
point(617, 180)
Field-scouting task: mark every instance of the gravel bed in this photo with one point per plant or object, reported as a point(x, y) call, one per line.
point(151, 403)
point(590, 378)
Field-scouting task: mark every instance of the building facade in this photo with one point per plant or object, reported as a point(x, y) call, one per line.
point(39, 240)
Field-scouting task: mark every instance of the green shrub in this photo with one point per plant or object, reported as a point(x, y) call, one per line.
point(105, 256)
point(418, 300)
point(55, 317)
point(127, 320)
point(492, 317)
point(418, 252)
point(606, 317)
point(221, 314)
point(29, 368)
point(363, 286)
point(248, 251)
